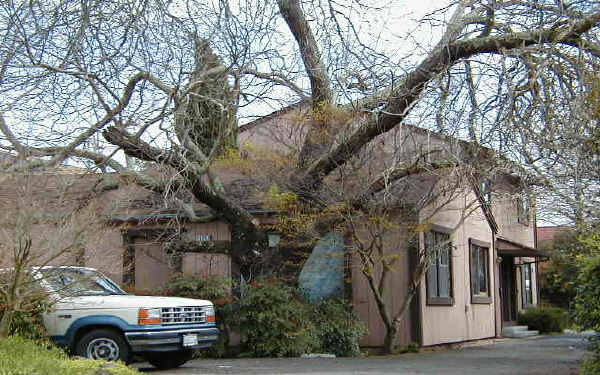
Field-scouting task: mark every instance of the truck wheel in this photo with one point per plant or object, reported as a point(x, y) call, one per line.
point(103, 344)
point(168, 360)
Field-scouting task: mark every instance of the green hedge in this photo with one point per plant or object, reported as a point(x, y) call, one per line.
point(587, 302)
point(587, 306)
point(544, 319)
point(338, 328)
point(274, 319)
point(211, 288)
point(21, 356)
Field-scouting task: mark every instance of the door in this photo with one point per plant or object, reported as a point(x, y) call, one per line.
point(507, 289)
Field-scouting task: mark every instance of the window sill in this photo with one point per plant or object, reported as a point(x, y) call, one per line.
point(440, 301)
point(481, 300)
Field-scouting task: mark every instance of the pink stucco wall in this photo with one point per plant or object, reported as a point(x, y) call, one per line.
point(463, 320)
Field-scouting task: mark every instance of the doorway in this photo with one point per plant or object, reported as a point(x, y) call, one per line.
point(508, 290)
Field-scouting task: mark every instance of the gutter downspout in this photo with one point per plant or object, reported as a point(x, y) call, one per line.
point(538, 263)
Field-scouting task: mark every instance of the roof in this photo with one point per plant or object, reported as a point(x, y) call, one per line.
point(162, 217)
point(272, 115)
point(8, 159)
point(549, 233)
point(508, 247)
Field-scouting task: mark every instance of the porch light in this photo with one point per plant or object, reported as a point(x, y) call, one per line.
point(274, 239)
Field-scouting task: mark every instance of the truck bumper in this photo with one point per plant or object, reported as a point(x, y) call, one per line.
point(171, 339)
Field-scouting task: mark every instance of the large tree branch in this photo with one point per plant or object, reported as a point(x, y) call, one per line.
point(277, 78)
point(402, 97)
point(246, 237)
point(11, 137)
point(587, 45)
point(110, 115)
point(318, 139)
point(317, 73)
point(390, 176)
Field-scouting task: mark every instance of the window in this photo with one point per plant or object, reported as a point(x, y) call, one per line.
point(439, 273)
point(480, 272)
point(526, 285)
point(523, 208)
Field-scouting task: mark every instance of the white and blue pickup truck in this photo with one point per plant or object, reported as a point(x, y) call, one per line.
point(94, 318)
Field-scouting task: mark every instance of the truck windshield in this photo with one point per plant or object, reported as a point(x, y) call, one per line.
point(70, 282)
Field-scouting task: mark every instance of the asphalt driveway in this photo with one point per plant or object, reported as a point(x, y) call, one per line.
point(547, 355)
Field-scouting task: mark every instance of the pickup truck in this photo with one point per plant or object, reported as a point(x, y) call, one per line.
point(94, 318)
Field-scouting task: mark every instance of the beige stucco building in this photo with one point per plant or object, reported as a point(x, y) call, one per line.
point(488, 222)
point(482, 273)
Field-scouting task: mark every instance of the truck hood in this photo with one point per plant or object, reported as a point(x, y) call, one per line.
point(126, 301)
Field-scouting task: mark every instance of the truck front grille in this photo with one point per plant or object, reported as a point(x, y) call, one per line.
point(183, 315)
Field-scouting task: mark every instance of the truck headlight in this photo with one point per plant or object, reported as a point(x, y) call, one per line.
point(210, 314)
point(149, 316)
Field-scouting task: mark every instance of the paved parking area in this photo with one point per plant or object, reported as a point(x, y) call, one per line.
point(546, 355)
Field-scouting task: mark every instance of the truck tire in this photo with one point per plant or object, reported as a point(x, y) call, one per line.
point(104, 344)
point(168, 360)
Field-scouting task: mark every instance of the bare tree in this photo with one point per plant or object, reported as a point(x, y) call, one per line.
point(38, 230)
point(94, 81)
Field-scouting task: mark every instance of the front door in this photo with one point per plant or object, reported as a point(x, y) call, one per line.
point(508, 289)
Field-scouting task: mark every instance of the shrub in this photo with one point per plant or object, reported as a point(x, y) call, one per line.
point(213, 288)
point(544, 319)
point(591, 367)
point(587, 301)
point(216, 289)
point(21, 356)
point(587, 306)
point(27, 323)
point(273, 321)
point(558, 281)
point(338, 328)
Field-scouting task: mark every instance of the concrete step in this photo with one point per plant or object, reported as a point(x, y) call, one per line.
point(518, 332)
point(513, 329)
point(521, 334)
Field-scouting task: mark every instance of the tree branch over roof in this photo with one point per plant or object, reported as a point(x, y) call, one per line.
point(240, 220)
point(388, 177)
point(317, 141)
point(403, 96)
point(110, 115)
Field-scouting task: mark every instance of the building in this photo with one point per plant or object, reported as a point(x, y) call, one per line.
point(487, 272)
point(483, 273)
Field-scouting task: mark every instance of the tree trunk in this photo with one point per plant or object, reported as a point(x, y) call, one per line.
point(5, 322)
point(247, 239)
point(390, 338)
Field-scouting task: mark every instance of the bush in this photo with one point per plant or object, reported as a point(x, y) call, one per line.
point(544, 319)
point(587, 306)
point(27, 323)
point(213, 288)
point(338, 328)
point(558, 281)
point(273, 321)
point(21, 356)
point(587, 301)
point(591, 367)
point(216, 289)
